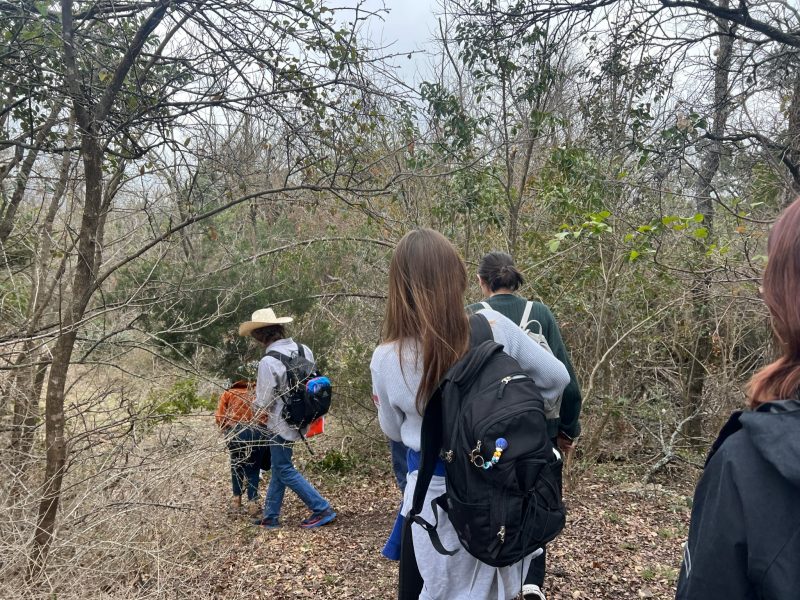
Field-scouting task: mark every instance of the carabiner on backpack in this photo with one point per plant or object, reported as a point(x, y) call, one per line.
point(475, 456)
point(477, 459)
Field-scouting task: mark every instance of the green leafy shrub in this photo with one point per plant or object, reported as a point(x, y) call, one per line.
point(336, 462)
point(180, 399)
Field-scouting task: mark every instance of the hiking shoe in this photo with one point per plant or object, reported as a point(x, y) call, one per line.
point(318, 519)
point(531, 591)
point(266, 523)
point(253, 508)
point(235, 507)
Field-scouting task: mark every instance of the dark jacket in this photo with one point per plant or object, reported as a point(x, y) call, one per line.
point(744, 538)
point(513, 307)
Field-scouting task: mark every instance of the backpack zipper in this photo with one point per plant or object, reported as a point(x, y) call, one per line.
point(509, 415)
point(505, 381)
point(465, 438)
point(493, 417)
point(500, 539)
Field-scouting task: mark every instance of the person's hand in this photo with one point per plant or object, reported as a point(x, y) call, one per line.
point(566, 444)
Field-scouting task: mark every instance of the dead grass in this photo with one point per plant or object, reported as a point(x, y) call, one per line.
point(159, 529)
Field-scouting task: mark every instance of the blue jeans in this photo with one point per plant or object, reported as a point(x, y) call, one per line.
point(285, 475)
point(399, 463)
point(246, 446)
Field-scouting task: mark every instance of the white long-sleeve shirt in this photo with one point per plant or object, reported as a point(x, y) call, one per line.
point(395, 380)
point(271, 381)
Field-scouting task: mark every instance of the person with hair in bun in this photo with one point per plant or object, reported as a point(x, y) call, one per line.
point(499, 279)
point(744, 535)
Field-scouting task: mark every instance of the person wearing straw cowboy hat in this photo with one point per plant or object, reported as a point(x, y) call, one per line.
point(268, 329)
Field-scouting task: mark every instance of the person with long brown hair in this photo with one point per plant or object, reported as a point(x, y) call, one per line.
point(744, 536)
point(426, 330)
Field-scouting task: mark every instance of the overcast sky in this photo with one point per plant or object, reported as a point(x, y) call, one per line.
point(407, 27)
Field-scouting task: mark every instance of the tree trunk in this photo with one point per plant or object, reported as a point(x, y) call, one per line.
point(82, 288)
point(30, 366)
point(90, 117)
point(7, 220)
point(700, 290)
point(26, 389)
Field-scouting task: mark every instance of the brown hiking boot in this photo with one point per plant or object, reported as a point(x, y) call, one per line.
point(235, 505)
point(254, 508)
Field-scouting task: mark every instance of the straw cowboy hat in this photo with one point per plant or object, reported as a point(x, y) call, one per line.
point(263, 317)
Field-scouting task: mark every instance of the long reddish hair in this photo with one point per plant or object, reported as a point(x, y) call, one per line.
point(425, 305)
point(781, 293)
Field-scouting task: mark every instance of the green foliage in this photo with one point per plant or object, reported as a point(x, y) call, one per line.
point(475, 194)
point(28, 66)
point(459, 129)
point(626, 87)
point(645, 238)
point(336, 462)
point(352, 368)
point(765, 186)
point(505, 59)
point(648, 573)
point(595, 225)
point(14, 301)
point(180, 399)
point(572, 179)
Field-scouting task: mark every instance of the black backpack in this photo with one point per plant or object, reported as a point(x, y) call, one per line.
point(308, 393)
point(503, 477)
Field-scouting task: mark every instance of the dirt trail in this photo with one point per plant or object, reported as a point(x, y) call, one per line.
point(622, 541)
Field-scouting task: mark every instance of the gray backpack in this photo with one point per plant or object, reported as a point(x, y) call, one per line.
point(532, 327)
point(537, 336)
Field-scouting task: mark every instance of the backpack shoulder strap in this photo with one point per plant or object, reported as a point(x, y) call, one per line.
point(540, 331)
point(430, 447)
point(486, 305)
point(479, 330)
point(410, 581)
point(285, 360)
point(433, 423)
point(430, 444)
point(526, 315)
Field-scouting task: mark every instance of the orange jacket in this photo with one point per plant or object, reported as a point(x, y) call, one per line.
point(236, 405)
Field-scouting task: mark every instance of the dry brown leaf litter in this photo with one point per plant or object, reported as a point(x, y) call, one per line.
point(622, 541)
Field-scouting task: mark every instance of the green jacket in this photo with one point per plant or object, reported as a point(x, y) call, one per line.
point(512, 306)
